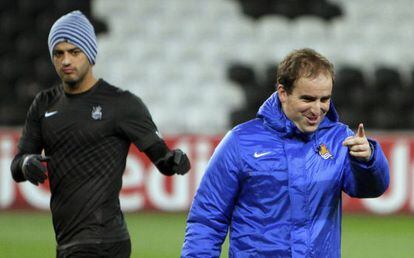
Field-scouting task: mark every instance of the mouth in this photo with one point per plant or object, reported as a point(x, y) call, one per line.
point(67, 70)
point(312, 120)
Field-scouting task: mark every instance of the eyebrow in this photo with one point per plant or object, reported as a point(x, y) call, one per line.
point(68, 50)
point(309, 97)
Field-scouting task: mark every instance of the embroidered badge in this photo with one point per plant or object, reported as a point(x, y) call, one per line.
point(97, 112)
point(324, 152)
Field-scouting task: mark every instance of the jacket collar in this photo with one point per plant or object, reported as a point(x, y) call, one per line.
point(273, 116)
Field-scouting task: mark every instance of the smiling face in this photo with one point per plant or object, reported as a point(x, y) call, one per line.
point(308, 103)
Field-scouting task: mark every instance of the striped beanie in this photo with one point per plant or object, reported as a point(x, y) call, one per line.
point(75, 29)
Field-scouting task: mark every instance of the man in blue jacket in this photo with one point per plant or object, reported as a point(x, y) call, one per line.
point(276, 181)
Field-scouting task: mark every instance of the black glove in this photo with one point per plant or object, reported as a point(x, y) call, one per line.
point(33, 170)
point(175, 162)
point(180, 162)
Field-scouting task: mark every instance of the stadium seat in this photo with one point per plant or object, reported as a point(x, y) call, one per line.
point(12, 24)
point(5, 47)
point(8, 4)
point(350, 88)
point(353, 116)
point(32, 8)
point(29, 46)
point(242, 74)
point(385, 118)
point(324, 9)
point(63, 6)
point(43, 22)
point(11, 68)
point(45, 73)
point(387, 78)
point(409, 119)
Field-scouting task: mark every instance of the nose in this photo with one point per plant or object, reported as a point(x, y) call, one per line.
point(316, 107)
point(320, 108)
point(66, 59)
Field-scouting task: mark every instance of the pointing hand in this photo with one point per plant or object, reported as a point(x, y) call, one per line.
point(358, 144)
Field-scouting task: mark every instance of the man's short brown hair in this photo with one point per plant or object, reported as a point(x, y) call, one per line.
point(300, 63)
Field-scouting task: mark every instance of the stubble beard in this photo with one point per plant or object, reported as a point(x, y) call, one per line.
point(74, 83)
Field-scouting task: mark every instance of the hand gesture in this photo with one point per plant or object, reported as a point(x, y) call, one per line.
point(358, 144)
point(33, 170)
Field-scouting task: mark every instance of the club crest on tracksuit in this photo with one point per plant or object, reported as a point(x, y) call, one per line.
point(324, 152)
point(97, 112)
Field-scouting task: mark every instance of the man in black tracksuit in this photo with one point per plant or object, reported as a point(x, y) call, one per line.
point(85, 127)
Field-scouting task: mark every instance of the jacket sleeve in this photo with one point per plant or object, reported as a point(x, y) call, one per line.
point(30, 141)
point(366, 179)
point(213, 204)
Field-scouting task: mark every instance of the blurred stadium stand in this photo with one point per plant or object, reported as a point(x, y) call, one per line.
point(203, 66)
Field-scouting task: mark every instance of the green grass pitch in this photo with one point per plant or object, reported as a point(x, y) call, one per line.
point(160, 235)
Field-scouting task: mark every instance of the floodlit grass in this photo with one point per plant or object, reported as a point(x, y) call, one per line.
point(160, 235)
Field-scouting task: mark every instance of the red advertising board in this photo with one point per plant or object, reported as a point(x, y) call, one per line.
point(145, 188)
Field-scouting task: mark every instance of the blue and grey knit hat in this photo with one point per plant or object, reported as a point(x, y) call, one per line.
point(75, 29)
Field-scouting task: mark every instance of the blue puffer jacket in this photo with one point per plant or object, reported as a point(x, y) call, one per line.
point(279, 190)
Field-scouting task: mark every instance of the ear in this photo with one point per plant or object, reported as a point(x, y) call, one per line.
point(282, 93)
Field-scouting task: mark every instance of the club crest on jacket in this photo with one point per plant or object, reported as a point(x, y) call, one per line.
point(324, 152)
point(97, 112)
